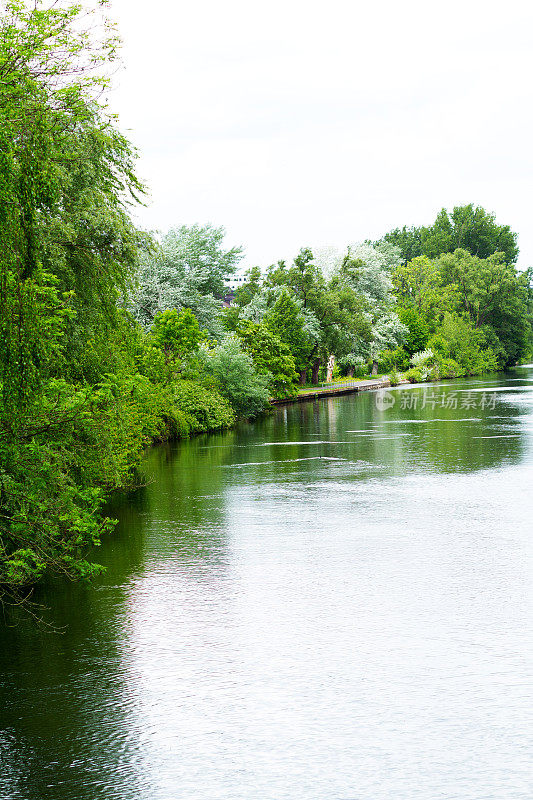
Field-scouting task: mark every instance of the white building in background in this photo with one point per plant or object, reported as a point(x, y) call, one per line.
point(235, 281)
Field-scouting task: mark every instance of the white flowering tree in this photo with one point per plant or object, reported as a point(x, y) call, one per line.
point(366, 269)
point(187, 270)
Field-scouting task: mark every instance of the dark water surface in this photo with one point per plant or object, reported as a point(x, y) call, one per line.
point(330, 603)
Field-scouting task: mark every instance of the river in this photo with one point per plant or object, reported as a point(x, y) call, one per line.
point(330, 603)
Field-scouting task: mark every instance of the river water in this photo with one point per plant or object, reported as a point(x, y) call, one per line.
point(330, 603)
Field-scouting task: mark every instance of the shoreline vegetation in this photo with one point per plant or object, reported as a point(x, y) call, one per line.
point(113, 338)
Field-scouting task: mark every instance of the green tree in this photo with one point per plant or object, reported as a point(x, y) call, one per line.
point(418, 329)
point(491, 292)
point(271, 357)
point(245, 293)
point(418, 283)
point(67, 252)
point(177, 334)
point(467, 227)
point(286, 321)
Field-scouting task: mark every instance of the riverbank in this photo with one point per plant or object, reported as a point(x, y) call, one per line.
point(336, 389)
point(353, 387)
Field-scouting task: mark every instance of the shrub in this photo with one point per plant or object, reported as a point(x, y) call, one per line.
point(394, 377)
point(414, 375)
point(448, 368)
point(235, 376)
point(422, 358)
point(393, 359)
point(201, 408)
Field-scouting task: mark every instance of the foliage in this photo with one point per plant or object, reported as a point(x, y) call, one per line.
point(111, 339)
point(367, 270)
point(187, 270)
point(467, 227)
point(417, 327)
point(394, 377)
point(415, 375)
point(491, 292)
point(392, 360)
point(422, 290)
point(67, 252)
point(245, 293)
point(203, 408)
point(333, 315)
point(232, 369)
point(51, 490)
point(459, 341)
point(176, 334)
point(448, 368)
point(271, 357)
point(387, 331)
point(426, 364)
point(286, 321)
point(353, 364)
point(423, 357)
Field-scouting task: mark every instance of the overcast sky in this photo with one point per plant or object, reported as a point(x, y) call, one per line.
point(316, 124)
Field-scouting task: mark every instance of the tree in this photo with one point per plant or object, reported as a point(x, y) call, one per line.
point(286, 321)
point(459, 340)
point(271, 357)
point(245, 293)
point(65, 178)
point(417, 334)
point(178, 335)
point(198, 251)
point(467, 227)
point(67, 252)
point(491, 292)
point(365, 272)
point(407, 240)
point(187, 270)
point(418, 284)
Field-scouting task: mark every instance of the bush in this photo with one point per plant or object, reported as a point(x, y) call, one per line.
point(414, 375)
point(233, 371)
point(390, 360)
point(202, 409)
point(394, 377)
point(448, 368)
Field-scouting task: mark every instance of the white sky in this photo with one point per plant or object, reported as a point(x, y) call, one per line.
point(300, 123)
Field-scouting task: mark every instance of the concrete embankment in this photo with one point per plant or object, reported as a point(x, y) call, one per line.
point(347, 387)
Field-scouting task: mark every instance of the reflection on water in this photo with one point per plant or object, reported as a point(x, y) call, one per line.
point(330, 602)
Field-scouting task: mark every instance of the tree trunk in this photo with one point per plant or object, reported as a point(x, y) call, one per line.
point(303, 377)
point(375, 368)
point(350, 371)
point(316, 367)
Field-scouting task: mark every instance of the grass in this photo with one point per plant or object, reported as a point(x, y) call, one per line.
point(309, 387)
